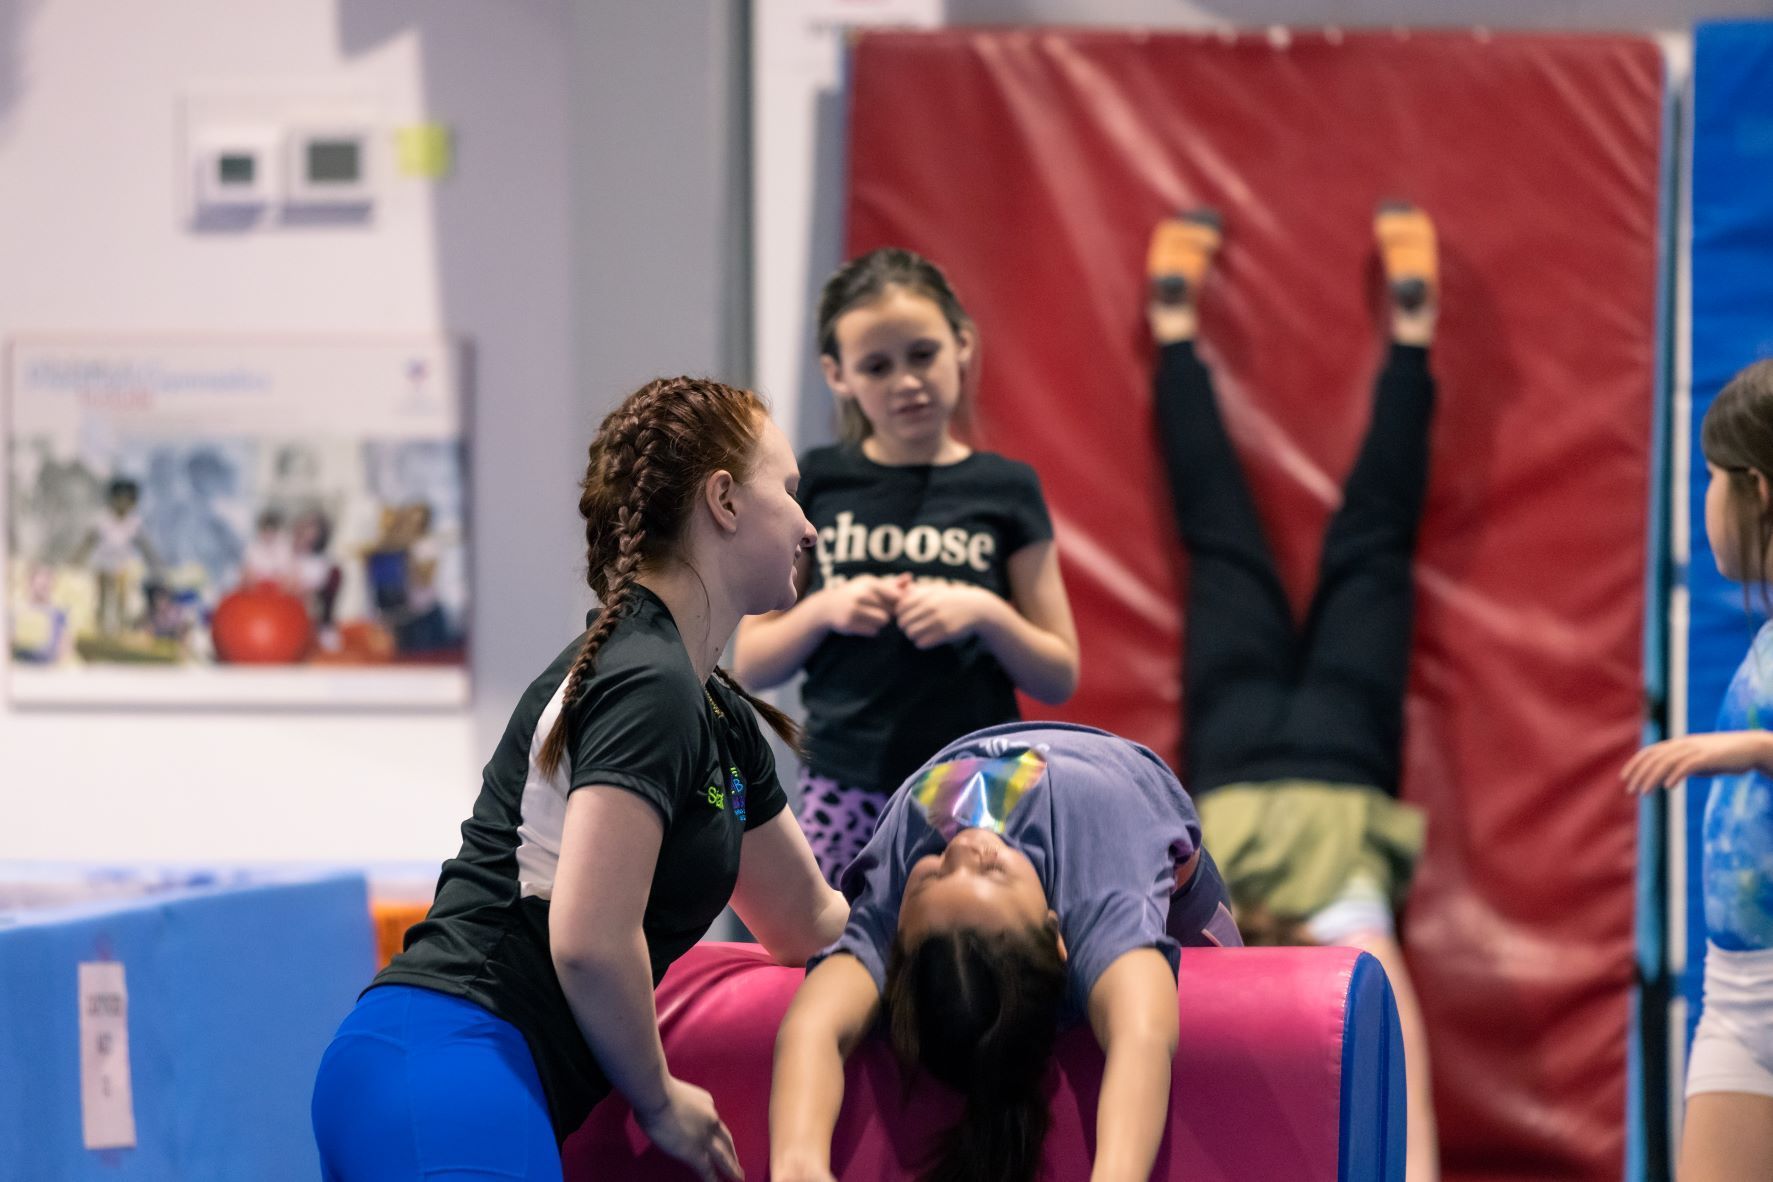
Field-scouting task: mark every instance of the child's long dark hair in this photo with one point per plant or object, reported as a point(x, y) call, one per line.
point(646, 468)
point(865, 279)
point(1737, 437)
point(979, 1011)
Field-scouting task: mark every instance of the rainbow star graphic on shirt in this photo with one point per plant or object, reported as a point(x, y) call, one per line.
point(975, 793)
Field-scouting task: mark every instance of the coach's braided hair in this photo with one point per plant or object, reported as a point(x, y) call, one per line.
point(646, 468)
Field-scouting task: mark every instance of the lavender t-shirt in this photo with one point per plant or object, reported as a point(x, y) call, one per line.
point(1105, 825)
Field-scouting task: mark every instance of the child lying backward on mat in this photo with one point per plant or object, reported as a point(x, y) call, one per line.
point(1028, 875)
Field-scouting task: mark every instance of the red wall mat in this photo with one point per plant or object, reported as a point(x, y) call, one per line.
point(1032, 165)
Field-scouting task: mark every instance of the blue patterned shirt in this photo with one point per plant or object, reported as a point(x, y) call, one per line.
point(1738, 867)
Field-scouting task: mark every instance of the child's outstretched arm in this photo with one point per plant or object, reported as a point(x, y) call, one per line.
point(1665, 764)
point(769, 649)
point(830, 1013)
point(1031, 634)
point(1133, 1012)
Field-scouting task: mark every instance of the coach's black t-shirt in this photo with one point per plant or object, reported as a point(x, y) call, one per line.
point(642, 723)
point(877, 707)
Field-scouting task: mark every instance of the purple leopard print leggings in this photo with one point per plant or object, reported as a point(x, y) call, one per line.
point(837, 820)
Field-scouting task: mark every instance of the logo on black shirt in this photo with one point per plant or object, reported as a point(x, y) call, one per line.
point(735, 792)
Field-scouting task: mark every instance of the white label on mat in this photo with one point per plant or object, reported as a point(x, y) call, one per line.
point(107, 1108)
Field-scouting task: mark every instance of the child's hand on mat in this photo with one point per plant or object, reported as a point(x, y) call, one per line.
point(862, 606)
point(1665, 764)
point(689, 1129)
point(936, 613)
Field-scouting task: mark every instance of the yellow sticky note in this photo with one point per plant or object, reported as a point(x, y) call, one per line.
point(425, 150)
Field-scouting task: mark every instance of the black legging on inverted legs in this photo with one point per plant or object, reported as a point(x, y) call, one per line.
point(1265, 699)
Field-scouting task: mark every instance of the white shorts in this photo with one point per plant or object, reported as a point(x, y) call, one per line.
point(1733, 1051)
point(1360, 908)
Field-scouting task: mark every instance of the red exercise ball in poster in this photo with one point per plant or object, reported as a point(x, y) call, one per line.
point(261, 624)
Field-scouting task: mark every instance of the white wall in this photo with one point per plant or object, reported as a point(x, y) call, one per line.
point(656, 132)
point(92, 240)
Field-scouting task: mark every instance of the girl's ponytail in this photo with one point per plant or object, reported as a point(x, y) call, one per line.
point(979, 1011)
point(998, 1137)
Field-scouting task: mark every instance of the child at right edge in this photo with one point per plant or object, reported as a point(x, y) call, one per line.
point(1728, 1130)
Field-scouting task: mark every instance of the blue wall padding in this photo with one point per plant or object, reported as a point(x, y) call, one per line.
point(233, 995)
point(1732, 325)
point(1373, 1097)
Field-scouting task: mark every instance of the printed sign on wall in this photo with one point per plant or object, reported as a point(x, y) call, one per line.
point(237, 522)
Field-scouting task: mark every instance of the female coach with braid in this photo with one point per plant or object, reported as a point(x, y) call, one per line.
point(631, 795)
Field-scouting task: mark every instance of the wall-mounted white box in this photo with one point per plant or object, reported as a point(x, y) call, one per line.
point(304, 154)
point(236, 169)
point(334, 164)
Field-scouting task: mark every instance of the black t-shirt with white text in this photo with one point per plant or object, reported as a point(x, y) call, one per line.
point(642, 723)
point(877, 707)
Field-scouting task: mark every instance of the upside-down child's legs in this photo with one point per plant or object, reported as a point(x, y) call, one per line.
point(1240, 645)
point(1355, 665)
point(1341, 697)
point(1346, 724)
point(1347, 719)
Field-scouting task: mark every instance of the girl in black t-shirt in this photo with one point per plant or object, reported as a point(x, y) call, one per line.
point(631, 795)
point(933, 593)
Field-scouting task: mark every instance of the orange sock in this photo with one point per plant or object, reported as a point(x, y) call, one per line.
point(1182, 249)
point(1407, 253)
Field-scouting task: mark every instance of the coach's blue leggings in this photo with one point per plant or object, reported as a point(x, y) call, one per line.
point(421, 1085)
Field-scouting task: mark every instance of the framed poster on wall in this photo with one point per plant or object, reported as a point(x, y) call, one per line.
point(237, 522)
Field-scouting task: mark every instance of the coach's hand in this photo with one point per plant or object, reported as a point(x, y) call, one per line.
point(689, 1129)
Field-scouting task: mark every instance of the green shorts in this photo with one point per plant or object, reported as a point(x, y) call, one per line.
point(1289, 848)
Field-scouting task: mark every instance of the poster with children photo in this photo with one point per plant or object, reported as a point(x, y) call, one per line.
point(237, 522)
